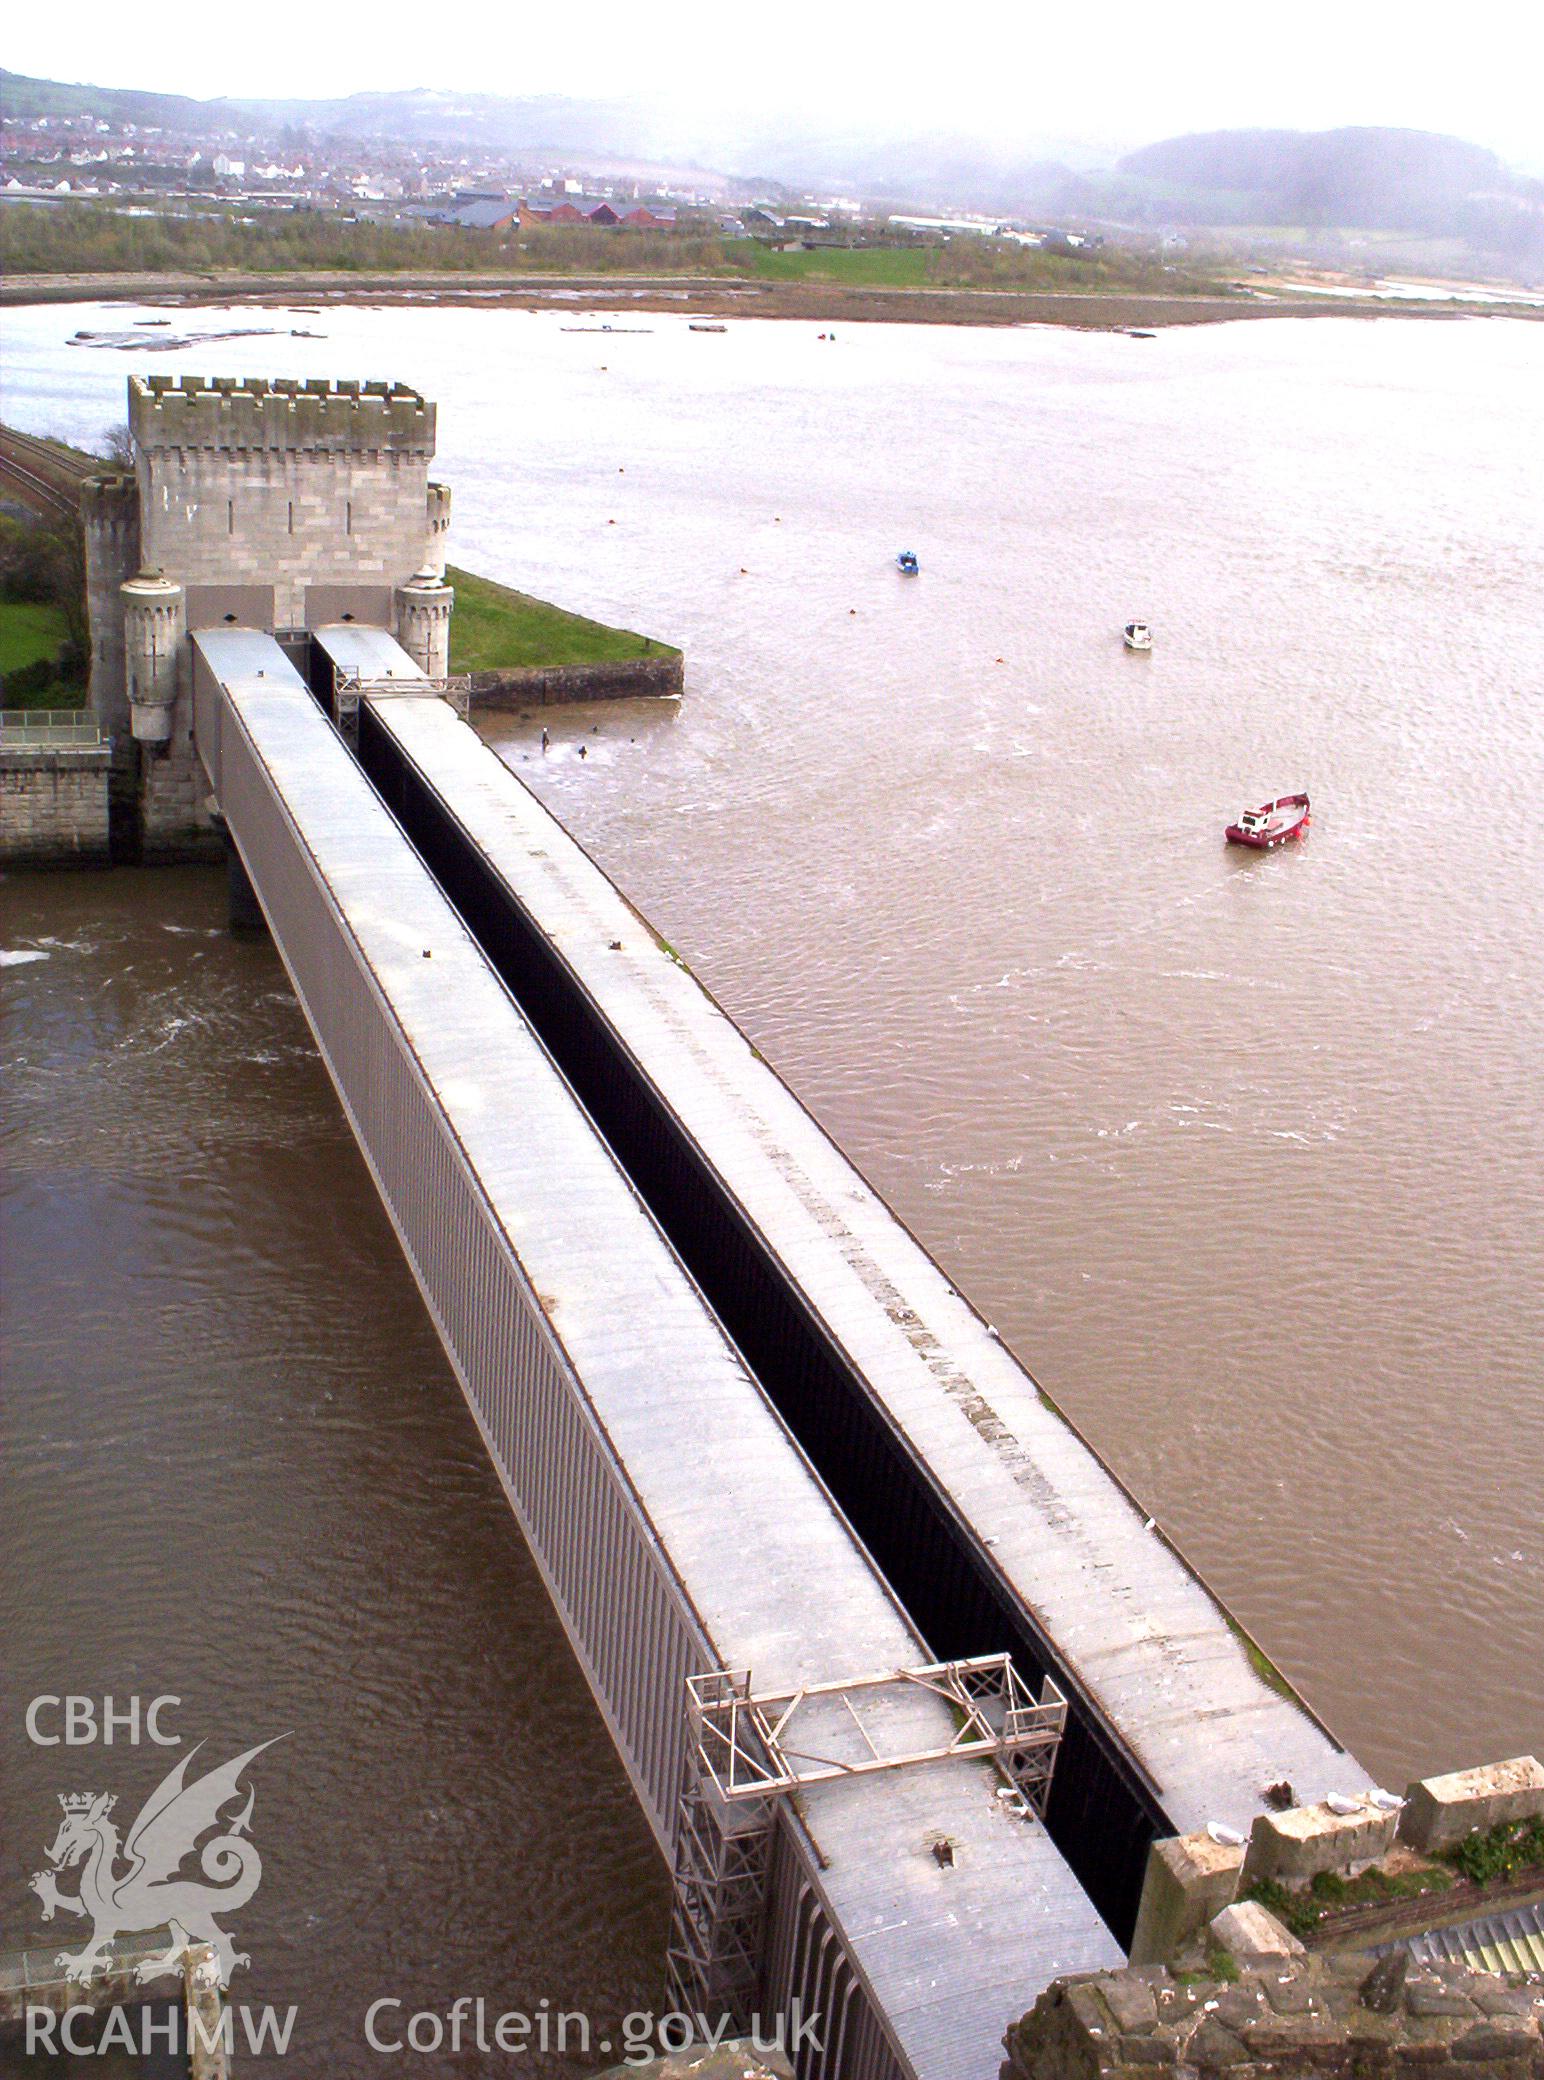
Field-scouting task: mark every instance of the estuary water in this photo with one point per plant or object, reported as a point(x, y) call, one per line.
point(1241, 1153)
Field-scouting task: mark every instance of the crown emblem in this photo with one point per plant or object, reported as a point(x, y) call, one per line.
point(83, 1801)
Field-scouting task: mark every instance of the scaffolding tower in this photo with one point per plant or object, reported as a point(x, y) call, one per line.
point(748, 1749)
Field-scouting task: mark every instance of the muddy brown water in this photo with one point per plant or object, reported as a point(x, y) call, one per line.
point(1240, 1153)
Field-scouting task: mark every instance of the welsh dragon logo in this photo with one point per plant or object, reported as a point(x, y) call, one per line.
point(137, 1887)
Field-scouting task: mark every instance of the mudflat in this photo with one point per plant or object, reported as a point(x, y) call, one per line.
point(712, 296)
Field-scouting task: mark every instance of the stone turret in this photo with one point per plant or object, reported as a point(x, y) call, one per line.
point(423, 621)
point(154, 623)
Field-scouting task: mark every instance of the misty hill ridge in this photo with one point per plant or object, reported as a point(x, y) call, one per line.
point(428, 114)
point(1379, 179)
point(1414, 182)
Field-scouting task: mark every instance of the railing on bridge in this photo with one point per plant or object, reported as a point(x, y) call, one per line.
point(747, 1749)
point(749, 1744)
point(50, 728)
point(350, 688)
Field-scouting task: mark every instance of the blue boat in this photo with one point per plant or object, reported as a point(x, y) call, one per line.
point(907, 562)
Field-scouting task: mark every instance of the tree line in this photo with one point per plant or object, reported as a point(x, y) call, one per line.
point(84, 238)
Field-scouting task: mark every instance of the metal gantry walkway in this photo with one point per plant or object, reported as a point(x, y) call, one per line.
point(681, 1530)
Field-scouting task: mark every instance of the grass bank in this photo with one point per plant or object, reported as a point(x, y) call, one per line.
point(38, 663)
point(495, 628)
point(31, 632)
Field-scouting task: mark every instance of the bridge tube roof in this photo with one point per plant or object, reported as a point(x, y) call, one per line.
point(356, 646)
point(950, 1956)
point(1148, 1641)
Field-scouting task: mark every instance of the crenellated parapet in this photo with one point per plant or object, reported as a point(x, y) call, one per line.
point(239, 415)
point(423, 621)
point(109, 504)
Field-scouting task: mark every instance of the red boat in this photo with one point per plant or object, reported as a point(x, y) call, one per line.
point(1274, 823)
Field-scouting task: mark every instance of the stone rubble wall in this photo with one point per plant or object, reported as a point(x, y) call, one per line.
point(1346, 2017)
point(635, 678)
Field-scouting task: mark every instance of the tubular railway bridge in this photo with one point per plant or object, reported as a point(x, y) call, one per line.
point(904, 1681)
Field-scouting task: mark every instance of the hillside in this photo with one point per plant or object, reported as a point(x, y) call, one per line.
point(420, 113)
point(1408, 181)
point(1414, 184)
point(934, 167)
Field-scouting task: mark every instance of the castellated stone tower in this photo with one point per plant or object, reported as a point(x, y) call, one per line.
point(275, 505)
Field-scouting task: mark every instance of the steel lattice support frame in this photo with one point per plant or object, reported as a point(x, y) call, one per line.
point(350, 688)
point(749, 1744)
point(742, 1756)
point(717, 1924)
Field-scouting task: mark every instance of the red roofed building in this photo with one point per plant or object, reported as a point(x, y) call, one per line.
point(590, 209)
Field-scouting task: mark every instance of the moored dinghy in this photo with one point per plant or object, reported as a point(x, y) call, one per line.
point(1273, 823)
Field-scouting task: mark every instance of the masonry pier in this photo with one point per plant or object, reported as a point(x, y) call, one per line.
point(272, 505)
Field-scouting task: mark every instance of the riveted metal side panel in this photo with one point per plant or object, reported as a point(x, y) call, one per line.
point(608, 1577)
point(207, 704)
point(831, 2028)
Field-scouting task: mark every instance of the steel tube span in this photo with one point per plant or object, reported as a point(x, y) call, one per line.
point(678, 1525)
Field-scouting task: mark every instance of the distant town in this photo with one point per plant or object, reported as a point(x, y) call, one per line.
point(148, 169)
point(122, 181)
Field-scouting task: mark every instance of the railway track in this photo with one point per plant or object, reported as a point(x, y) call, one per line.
point(41, 475)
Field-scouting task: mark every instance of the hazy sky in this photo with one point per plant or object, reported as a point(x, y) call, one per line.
point(1112, 70)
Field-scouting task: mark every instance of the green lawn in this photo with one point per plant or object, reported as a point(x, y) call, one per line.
point(29, 630)
point(873, 267)
point(494, 628)
point(963, 265)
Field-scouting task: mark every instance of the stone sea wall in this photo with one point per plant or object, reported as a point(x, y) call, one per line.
point(53, 804)
point(633, 678)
